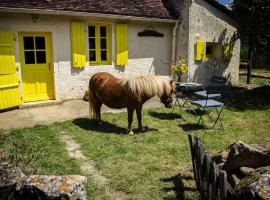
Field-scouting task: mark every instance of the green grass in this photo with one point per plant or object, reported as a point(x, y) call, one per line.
point(155, 164)
point(260, 76)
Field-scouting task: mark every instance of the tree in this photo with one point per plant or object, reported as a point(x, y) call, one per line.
point(253, 17)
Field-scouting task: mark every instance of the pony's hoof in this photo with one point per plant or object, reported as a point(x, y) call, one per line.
point(131, 133)
point(144, 129)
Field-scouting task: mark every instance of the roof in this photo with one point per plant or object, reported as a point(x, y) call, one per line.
point(161, 9)
point(137, 8)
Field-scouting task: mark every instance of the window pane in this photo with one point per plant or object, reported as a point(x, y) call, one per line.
point(92, 56)
point(92, 43)
point(41, 56)
point(209, 50)
point(28, 43)
point(40, 42)
point(103, 55)
point(103, 44)
point(103, 31)
point(91, 31)
point(29, 57)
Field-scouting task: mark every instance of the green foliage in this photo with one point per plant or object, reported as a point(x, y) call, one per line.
point(253, 17)
point(180, 67)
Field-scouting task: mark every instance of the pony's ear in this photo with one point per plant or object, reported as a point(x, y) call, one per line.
point(172, 82)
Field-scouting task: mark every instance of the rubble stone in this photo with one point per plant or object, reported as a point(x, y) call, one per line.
point(15, 185)
point(246, 170)
point(11, 179)
point(262, 187)
point(241, 154)
point(256, 185)
point(55, 187)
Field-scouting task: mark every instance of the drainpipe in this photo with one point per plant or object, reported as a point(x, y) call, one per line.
point(174, 39)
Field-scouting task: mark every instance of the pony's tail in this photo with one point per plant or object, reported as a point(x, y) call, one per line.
point(91, 100)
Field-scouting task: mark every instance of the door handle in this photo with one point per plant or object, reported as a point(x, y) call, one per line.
point(49, 66)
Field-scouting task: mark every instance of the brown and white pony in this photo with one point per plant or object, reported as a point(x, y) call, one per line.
point(130, 93)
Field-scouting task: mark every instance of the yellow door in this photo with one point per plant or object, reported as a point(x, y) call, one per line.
point(9, 83)
point(36, 65)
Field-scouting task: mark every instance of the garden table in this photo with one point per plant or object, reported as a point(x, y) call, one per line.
point(186, 91)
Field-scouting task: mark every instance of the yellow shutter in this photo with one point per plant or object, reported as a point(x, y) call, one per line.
point(200, 53)
point(7, 57)
point(121, 44)
point(9, 83)
point(227, 51)
point(78, 44)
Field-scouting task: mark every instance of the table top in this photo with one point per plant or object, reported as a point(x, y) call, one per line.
point(188, 87)
point(189, 84)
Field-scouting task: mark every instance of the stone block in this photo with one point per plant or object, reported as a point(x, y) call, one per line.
point(54, 187)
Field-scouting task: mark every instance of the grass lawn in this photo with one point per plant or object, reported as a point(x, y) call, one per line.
point(260, 76)
point(152, 165)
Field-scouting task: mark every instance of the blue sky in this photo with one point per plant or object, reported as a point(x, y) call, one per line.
point(224, 2)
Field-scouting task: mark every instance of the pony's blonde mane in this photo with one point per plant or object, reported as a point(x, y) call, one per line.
point(148, 85)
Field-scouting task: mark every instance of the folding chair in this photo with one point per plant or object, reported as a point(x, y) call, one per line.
point(208, 103)
point(216, 81)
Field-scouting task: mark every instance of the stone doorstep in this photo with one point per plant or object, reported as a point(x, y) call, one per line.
point(37, 104)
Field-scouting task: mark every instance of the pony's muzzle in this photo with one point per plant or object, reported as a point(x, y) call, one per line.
point(169, 105)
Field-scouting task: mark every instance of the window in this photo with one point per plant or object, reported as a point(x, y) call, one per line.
point(34, 50)
point(209, 50)
point(213, 50)
point(99, 37)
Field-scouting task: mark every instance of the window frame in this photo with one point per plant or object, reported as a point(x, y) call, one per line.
point(97, 44)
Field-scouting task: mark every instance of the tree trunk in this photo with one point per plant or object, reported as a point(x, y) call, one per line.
point(249, 67)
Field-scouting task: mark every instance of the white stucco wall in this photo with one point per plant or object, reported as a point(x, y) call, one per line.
point(147, 55)
point(209, 24)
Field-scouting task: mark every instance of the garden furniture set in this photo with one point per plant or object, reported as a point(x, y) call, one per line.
point(207, 98)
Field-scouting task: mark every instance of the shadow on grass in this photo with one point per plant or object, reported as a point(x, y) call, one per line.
point(165, 116)
point(92, 125)
point(191, 127)
point(241, 99)
point(105, 127)
point(196, 112)
point(178, 186)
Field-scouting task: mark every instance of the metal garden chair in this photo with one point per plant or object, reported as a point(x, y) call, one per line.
point(209, 103)
point(216, 81)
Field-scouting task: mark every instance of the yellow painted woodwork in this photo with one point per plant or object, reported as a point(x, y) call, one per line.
point(9, 83)
point(37, 77)
point(98, 48)
point(9, 91)
point(200, 51)
point(227, 51)
point(78, 44)
point(7, 56)
point(121, 44)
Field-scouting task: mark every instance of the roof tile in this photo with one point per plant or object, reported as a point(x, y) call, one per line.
point(139, 8)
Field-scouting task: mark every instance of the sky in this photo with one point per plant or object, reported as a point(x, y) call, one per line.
point(224, 2)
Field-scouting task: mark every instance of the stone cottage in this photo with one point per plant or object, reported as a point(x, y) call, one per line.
point(50, 49)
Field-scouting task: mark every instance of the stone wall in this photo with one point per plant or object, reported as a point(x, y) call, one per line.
point(183, 32)
point(202, 22)
point(147, 55)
